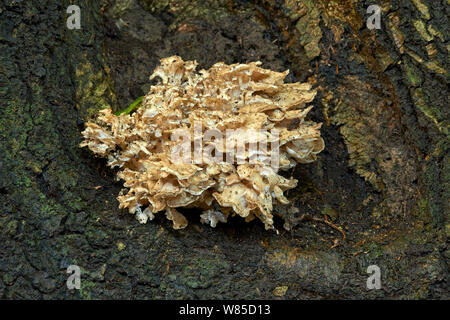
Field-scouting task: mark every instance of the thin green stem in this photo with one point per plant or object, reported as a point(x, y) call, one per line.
point(131, 107)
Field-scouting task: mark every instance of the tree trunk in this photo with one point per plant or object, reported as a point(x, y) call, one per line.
point(383, 178)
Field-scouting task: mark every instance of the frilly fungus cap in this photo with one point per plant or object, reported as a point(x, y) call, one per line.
point(216, 109)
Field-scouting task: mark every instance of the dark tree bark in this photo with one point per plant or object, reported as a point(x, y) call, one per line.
point(383, 178)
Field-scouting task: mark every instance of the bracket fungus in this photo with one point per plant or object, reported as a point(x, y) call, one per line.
point(238, 124)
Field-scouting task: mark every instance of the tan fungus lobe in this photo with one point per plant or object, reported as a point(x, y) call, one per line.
point(238, 96)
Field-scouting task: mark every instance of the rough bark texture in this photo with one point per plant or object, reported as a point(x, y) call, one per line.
point(383, 177)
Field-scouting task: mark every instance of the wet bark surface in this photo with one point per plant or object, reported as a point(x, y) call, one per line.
point(383, 178)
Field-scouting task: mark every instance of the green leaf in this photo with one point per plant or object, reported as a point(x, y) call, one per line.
point(131, 107)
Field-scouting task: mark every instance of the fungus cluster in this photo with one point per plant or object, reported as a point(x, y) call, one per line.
point(218, 109)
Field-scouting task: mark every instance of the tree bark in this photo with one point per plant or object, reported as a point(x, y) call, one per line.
point(383, 178)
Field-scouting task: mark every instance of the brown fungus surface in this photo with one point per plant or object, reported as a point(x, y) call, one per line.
point(220, 109)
